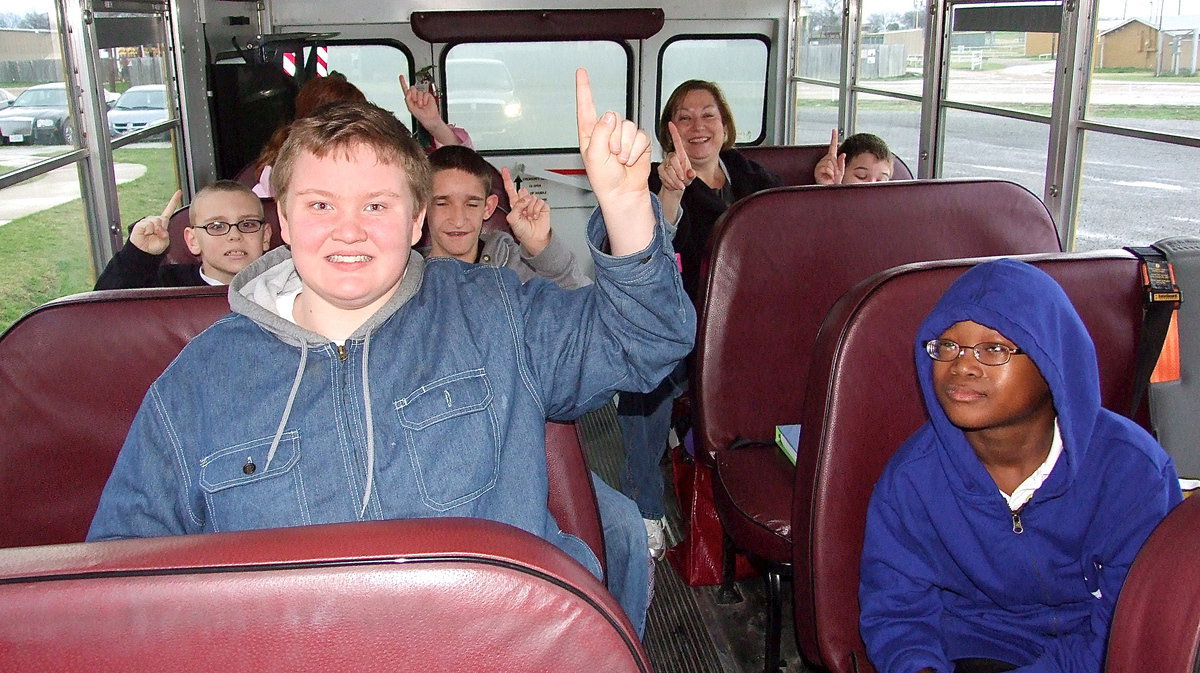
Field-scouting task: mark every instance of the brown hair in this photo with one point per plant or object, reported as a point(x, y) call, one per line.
point(342, 127)
point(465, 159)
point(317, 92)
point(676, 99)
point(865, 143)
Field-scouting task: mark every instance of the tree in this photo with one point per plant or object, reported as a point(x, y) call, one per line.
point(35, 20)
point(825, 19)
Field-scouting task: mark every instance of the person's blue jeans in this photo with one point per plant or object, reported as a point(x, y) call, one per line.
point(626, 552)
point(645, 420)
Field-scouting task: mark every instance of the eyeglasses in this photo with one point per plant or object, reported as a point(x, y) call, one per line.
point(248, 226)
point(990, 354)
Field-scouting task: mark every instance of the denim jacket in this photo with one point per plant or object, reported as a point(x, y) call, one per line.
point(435, 407)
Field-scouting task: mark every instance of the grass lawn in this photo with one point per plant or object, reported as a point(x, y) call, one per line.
point(47, 255)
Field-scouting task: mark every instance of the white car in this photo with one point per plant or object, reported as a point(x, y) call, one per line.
point(137, 108)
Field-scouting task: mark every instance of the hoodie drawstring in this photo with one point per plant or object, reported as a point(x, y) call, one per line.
point(370, 426)
point(287, 409)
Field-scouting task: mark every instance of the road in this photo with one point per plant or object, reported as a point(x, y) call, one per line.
point(56, 187)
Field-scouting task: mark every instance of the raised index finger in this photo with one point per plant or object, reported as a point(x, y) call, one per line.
point(510, 188)
point(676, 139)
point(585, 107)
point(404, 85)
point(173, 204)
point(833, 142)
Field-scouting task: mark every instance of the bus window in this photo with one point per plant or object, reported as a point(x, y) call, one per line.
point(816, 112)
point(1134, 192)
point(44, 244)
point(1143, 110)
point(375, 69)
point(984, 145)
point(737, 65)
point(133, 60)
point(521, 95)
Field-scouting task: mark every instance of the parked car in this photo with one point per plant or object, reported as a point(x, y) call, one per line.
point(6, 98)
point(40, 115)
point(137, 108)
point(481, 98)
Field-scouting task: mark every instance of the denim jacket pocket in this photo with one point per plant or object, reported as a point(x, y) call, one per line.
point(452, 434)
point(241, 492)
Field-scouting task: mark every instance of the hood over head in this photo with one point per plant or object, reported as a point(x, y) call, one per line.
point(1029, 308)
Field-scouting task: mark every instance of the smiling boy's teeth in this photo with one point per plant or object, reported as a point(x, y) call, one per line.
point(349, 258)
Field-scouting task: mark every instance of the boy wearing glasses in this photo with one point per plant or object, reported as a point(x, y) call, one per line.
point(226, 231)
point(1001, 532)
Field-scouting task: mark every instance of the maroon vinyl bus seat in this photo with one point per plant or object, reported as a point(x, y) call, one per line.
point(778, 261)
point(177, 251)
point(863, 404)
point(1156, 626)
point(417, 595)
point(796, 163)
point(75, 372)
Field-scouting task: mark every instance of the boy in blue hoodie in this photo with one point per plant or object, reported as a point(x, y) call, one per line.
point(1000, 533)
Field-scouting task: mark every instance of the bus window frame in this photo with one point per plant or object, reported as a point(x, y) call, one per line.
point(660, 95)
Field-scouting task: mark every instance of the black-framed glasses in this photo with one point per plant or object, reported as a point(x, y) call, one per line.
point(990, 354)
point(218, 228)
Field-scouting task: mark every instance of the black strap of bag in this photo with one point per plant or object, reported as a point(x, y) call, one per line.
point(1162, 297)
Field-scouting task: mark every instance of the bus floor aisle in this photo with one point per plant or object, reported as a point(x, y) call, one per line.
point(686, 630)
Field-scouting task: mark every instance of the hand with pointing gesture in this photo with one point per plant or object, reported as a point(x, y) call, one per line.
point(528, 216)
point(676, 171)
point(832, 167)
point(151, 234)
point(616, 156)
point(423, 106)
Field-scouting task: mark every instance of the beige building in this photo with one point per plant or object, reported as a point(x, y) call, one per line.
point(24, 44)
point(1136, 43)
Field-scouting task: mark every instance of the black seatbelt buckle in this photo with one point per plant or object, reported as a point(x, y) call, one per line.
point(1158, 277)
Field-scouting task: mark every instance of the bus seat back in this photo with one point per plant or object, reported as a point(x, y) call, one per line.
point(1156, 625)
point(796, 163)
point(77, 369)
point(779, 259)
point(1175, 405)
point(426, 594)
point(863, 404)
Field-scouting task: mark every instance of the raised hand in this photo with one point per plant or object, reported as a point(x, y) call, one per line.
point(151, 234)
point(421, 104)
point(832, 167)
point(676, 171)
point(528, 216)
point(616, 155)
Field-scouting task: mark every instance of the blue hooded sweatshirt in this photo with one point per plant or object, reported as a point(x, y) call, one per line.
point(944, 574)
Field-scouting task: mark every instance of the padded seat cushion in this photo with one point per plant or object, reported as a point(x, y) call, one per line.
point(754, 499)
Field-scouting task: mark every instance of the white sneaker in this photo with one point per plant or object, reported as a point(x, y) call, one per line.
point(656, 536)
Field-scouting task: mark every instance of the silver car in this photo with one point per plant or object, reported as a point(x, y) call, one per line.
point(137, 108)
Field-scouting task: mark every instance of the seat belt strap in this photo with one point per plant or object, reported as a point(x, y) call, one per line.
point(1162, 297)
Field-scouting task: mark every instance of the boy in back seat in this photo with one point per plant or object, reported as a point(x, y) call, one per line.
point(1001, 532)
point(226, 230)
point(463, 199)
point(360, 382)
point(863, 157)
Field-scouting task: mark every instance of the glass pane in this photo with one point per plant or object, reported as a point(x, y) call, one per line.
point(375, 69)
point(893, 47)
point(33, 98)
point(986, 146)
point(1001, 67)
point(147, 177)
point(816, 113)
point(898, 122)
point(819, 40)
point(739, 67)
point(1144, 70)
point(1127, 197)
point(44, 250)
point(521, 95)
